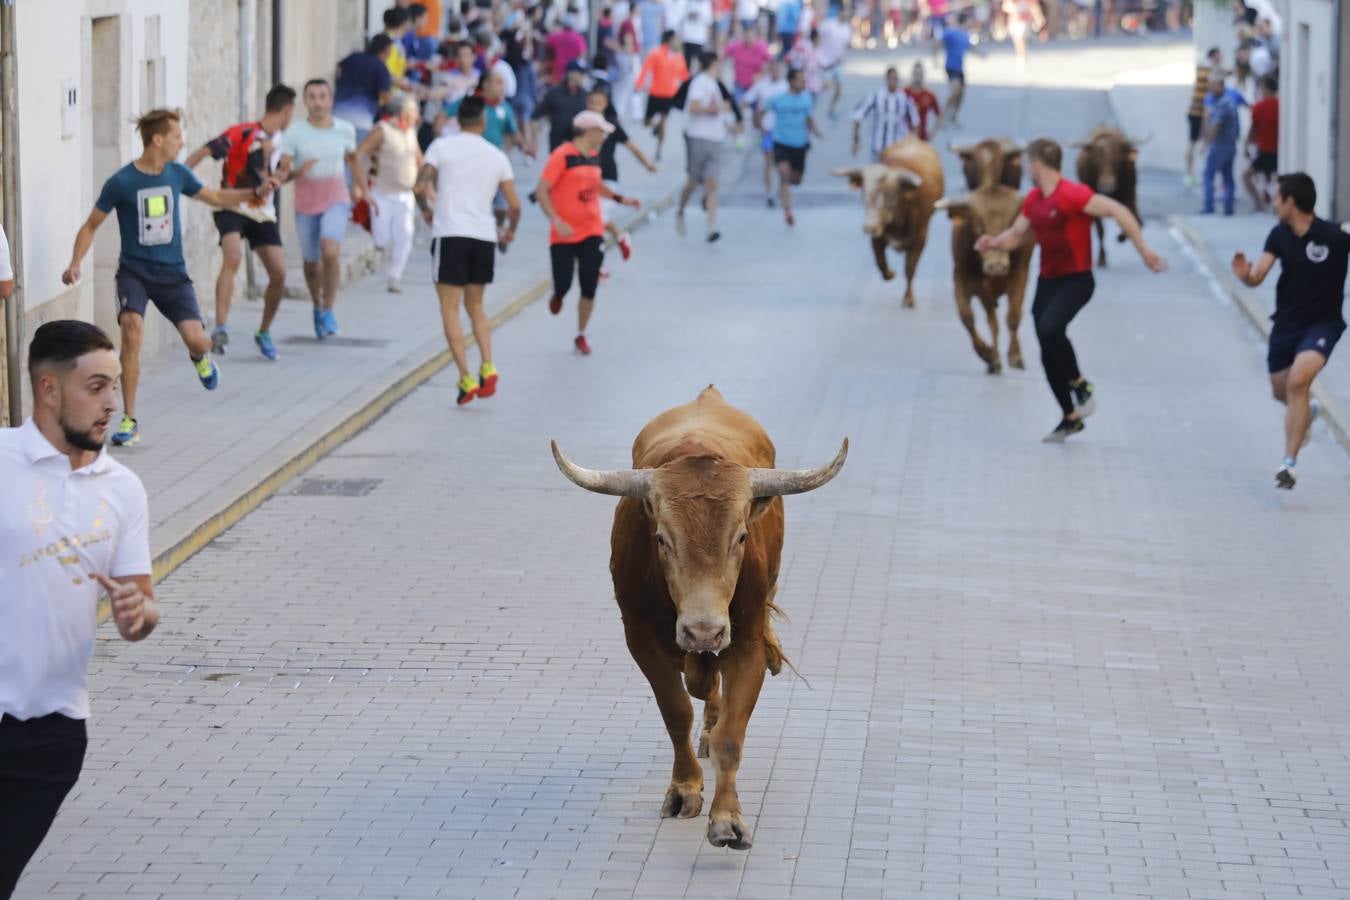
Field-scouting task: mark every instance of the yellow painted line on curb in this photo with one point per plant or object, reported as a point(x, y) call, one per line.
point(1332, 414)
point(173, 557)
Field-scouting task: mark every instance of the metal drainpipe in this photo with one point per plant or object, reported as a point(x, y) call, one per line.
point(13, 212)
point(248, 54)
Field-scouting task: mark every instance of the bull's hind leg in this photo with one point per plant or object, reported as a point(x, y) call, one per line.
point(700, 677)
point(742, 677)
point(1101, 244)
point(684, 797)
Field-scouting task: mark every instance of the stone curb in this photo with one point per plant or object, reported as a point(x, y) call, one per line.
point(1332, 413)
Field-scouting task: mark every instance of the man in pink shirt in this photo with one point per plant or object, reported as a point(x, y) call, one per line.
point(565, 45)
point(748, 57)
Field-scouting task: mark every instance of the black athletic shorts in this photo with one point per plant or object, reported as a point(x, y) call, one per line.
point(1266, 164)
point(1287, 343)
point(459, 261)
point(658, 106)
point(258, 234)
point(585, 257)
point(956, 76)
point(173, 295)
point(795, 157)
point(1194, 122)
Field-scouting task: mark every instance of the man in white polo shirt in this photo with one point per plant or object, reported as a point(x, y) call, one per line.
point(74, 525)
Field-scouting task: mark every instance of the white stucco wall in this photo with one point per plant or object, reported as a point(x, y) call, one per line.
point(1308, 95)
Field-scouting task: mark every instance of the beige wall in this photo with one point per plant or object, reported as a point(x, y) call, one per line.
point(318, 33)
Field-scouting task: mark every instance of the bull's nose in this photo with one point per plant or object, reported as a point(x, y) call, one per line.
point(703, 634)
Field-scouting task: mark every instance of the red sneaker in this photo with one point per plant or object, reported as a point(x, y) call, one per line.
point(625, 247)
point(555, 304)
point(582, 347)
point(487, 382)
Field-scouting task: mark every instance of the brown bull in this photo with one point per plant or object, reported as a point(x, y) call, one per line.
point(899, 193)
point(972, 168)
point(990, 208)
point(1106, 163)
point(694, 555)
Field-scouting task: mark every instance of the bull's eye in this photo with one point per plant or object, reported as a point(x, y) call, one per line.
point(661, 542)
point(745, 536)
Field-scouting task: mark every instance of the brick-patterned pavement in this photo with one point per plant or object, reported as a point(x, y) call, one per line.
point(1109, 669)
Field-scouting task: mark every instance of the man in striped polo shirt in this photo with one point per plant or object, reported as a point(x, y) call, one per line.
point(891, 113)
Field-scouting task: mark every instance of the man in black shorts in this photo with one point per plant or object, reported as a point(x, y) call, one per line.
point(251, 151)
point(461, 175)
point(1313, 256)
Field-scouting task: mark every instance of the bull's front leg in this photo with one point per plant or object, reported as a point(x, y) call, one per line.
point(879, 254)
point(684, 797)
point(742, 677)
point(965, 310)
point(913, 252)
point(1017, 292)
point(991, 313)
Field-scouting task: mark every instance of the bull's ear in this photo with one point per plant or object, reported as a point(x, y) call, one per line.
point(1134, 154)
point(758, 507)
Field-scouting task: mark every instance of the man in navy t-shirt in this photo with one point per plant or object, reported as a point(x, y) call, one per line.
point(146, 194)
point(363, 85)
point(1313, 256)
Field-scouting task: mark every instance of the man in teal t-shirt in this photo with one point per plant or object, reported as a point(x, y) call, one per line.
point(146, 195)
point(792, 130)
point(501, 129)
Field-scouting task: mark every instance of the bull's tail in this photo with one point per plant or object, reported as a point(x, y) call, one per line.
point(774, 657)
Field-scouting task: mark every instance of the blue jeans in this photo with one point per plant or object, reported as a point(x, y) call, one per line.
point(1219, 161)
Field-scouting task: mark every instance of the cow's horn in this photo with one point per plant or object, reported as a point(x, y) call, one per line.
point(777, 482)
point(906, 175)
point(949, 202)
point(615, 483)
point(1139, 143)
point(964, 148)
point(854, 172)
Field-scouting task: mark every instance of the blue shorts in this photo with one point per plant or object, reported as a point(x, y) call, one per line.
point(766, 142)
point(1287, 343)
point(330, 225)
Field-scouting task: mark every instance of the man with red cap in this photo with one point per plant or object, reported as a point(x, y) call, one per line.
point(569, 193)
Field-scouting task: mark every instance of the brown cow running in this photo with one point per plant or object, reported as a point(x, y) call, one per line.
point(899, 193)
point(989, 209)
point(1106, 163)
point(973, 170)
point(694, 557)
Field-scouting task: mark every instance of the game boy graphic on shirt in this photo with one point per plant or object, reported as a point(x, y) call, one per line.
point(154, 207)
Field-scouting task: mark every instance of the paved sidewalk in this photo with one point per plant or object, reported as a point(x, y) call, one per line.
point(1109, 669)
point(200, 452)
point(1214, 240)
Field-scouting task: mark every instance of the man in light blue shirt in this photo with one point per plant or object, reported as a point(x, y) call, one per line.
point(792, 130)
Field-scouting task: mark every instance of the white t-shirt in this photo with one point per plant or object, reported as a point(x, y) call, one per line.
point(759, 95)
point(747, 10)
point(509, 86)
point(6, 268)
point(834, 40)
point(57, 527)
point(696, 25)
point(468, 172)
point(704, 126)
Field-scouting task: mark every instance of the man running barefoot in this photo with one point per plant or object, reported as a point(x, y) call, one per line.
point(467, 172)
point(792, 130)
point(251, 151)
point(151, 267)
point(1060, 213)
point(569, 193)
point(1313, 256)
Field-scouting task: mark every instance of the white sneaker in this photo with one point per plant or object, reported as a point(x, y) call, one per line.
point(394, 287)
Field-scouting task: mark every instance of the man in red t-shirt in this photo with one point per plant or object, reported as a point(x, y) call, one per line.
point(569, 193)
point(926, 102)
point(1060, 212)
point(1264, 135)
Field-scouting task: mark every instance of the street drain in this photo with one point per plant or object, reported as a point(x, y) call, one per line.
point(336, 487)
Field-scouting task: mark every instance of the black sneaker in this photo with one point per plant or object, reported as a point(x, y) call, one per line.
point(1062, 431)
point(1083, 402)
point(1284, 478)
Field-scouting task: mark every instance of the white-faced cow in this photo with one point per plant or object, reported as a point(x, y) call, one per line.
point(990, 208)
point(1106, 163)
point(899, 193)
point(694, 557)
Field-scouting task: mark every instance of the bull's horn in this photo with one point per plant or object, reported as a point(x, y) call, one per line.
point(964, 148)
point(854, 172)
point(949, 202)
point(1140, 143)
point(615, 483)
point(908, 176)
point(777, 482)
point(1012, 148)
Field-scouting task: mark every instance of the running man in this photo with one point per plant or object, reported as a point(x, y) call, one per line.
point(147, 195)
point(771, 82)
point(705, 130)
point(1264, 138)
point(792, 130)
point(598, 101)
point(665, 68)
point(569, 192)
point(1195, 114)
point(251, 152)
point(925, 102)
point(462, 175)
point(835, 35)
point(956, 43)
point(1308, 321)
point(890, 112)
point(1060, 213)
point(321, 145)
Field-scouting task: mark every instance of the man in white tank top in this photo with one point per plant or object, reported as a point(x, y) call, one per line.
point(392, 144)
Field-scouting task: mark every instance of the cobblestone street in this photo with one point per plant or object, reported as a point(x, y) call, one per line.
point(1113, 668)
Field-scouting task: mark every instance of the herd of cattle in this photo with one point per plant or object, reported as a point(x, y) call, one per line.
point(698, 531)
point(903, 191)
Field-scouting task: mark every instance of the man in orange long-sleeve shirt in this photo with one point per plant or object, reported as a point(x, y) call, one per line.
point(666, 69)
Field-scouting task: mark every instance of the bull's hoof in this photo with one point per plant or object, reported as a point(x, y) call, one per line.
point(995, 367)
point(887, 274)
point(728, 830)
point(683, 801)
point(1101, 262)
point(1015, 360)
point(908, 302)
